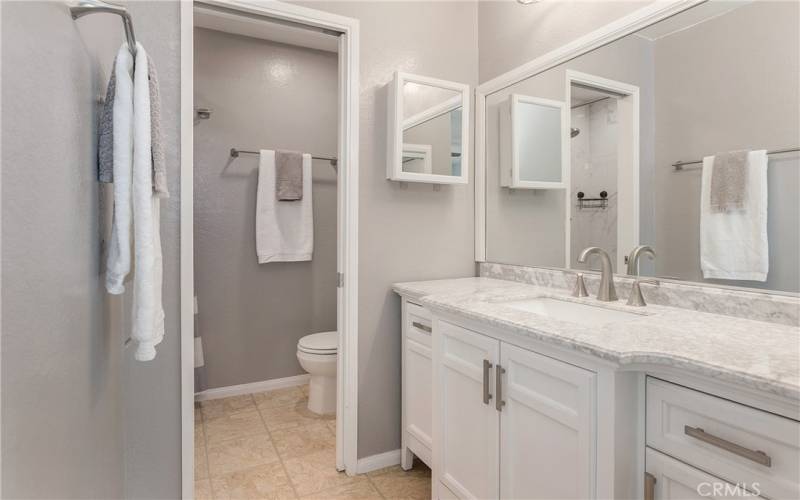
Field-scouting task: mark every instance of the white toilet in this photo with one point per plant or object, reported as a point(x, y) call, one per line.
point(317, 355)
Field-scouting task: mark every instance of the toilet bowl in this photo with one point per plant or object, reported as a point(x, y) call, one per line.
point(317, 355)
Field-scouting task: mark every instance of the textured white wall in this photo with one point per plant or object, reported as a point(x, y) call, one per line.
point(407, 232)
point(511, 34)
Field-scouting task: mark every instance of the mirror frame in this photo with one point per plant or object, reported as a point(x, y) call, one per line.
point(396, 125)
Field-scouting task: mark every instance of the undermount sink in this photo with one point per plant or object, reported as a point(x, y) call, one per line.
point(573, 312)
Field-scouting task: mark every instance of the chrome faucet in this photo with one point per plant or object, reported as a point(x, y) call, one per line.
point(636, 298)
point(606, 292)
point(635, 255)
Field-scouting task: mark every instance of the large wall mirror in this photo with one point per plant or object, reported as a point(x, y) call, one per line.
point(650, 118)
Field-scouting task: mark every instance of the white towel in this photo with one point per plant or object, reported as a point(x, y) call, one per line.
point(148, 313)
point(734, 244)
point(118, 264)
point(284, 229)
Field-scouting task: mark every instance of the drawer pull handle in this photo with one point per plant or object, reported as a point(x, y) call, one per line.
point(420, 326)
point(486, 367)
point(498, 391)
point(649, 486)
point(758, 457)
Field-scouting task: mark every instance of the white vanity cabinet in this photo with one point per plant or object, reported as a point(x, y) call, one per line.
point(510, 423)
point(417, 420)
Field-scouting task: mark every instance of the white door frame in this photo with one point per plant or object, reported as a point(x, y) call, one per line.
point(347, 222)
point(615, 30)
point(627, 160)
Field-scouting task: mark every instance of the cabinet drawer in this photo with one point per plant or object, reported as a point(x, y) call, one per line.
point(418, 325)
point(735, 442)
point(675, 480)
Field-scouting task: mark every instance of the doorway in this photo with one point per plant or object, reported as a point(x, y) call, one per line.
point(286, 26)
point(603, 172)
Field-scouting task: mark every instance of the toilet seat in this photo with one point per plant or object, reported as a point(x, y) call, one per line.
point(324, 343)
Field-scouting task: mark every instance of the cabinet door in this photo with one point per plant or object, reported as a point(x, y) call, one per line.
point(466, 432)
point(417, 395)
point(546, 427)
point(675, 480)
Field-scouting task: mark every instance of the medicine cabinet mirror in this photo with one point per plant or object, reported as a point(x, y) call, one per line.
point(534, 150)
point(428, 130)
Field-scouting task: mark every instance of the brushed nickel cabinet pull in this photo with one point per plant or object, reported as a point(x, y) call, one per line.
point(649, 486)
point(424, 328)
point(486, 367)
point(756, 456)
point(498, 389)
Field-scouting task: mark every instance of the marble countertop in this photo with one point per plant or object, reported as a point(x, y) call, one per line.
point(755, 354)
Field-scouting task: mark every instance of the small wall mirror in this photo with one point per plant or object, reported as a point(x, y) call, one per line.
point(532, 149)
point(428, 130)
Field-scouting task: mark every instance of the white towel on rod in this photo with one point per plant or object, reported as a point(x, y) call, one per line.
point(734, 244)
point(148, 312)
point(284, 229)
point(118, 263)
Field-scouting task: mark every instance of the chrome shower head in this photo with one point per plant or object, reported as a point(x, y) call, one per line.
point(573, 132)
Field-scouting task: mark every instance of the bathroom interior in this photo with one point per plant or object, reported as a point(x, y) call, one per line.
point(400, 250)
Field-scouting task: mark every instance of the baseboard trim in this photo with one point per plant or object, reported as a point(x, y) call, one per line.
point(264, 385)
point(379, 461)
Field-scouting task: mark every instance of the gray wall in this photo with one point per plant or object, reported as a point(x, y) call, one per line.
point(252, 315)
point(715, 92)
point(81, 419)
point(152, 389)
point(407, 232)
point(512, 34)
point(61, 367)
point(526, 227)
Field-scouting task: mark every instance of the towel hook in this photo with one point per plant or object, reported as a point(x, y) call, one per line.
point(86, 7)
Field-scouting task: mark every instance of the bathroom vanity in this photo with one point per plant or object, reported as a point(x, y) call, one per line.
point(518, 390)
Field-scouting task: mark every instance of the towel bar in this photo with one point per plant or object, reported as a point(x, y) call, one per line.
point(86, 7)
point(678, 165)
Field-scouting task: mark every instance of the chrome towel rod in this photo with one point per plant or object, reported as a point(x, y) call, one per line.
point(86, 7)
point(678, 165)
point(236, 152)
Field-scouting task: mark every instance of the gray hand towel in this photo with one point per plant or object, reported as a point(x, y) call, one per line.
point(105, 130)
point(288, 175)
point(729, 178)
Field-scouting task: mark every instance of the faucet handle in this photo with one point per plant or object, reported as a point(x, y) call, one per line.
point(580, 287)
point(636, 298)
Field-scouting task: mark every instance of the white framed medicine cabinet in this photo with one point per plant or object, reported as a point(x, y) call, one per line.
point(428, 130)
point(534, 145)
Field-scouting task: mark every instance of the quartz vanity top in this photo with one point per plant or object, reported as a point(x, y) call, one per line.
point(759, 355)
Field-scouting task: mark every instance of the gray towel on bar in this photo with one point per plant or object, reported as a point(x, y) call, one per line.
point(729, 178)
point(289, 175)
point(105, 147)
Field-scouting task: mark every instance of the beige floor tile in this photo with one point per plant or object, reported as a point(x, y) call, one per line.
point(316, 472)
point(199, 435)
point(361, 490)
point(200, 463)
point(287, 417)
point(300, 441)
point(332, 426)
point(237, 454)
point(263, 482)
point(216, 408)
point(202, 490)
point(395, 483)
point(419, 469)
point(281, 397)
point(198, 414)
point(234, 426)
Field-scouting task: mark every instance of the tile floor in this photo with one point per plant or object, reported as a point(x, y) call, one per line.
point(269, 446)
